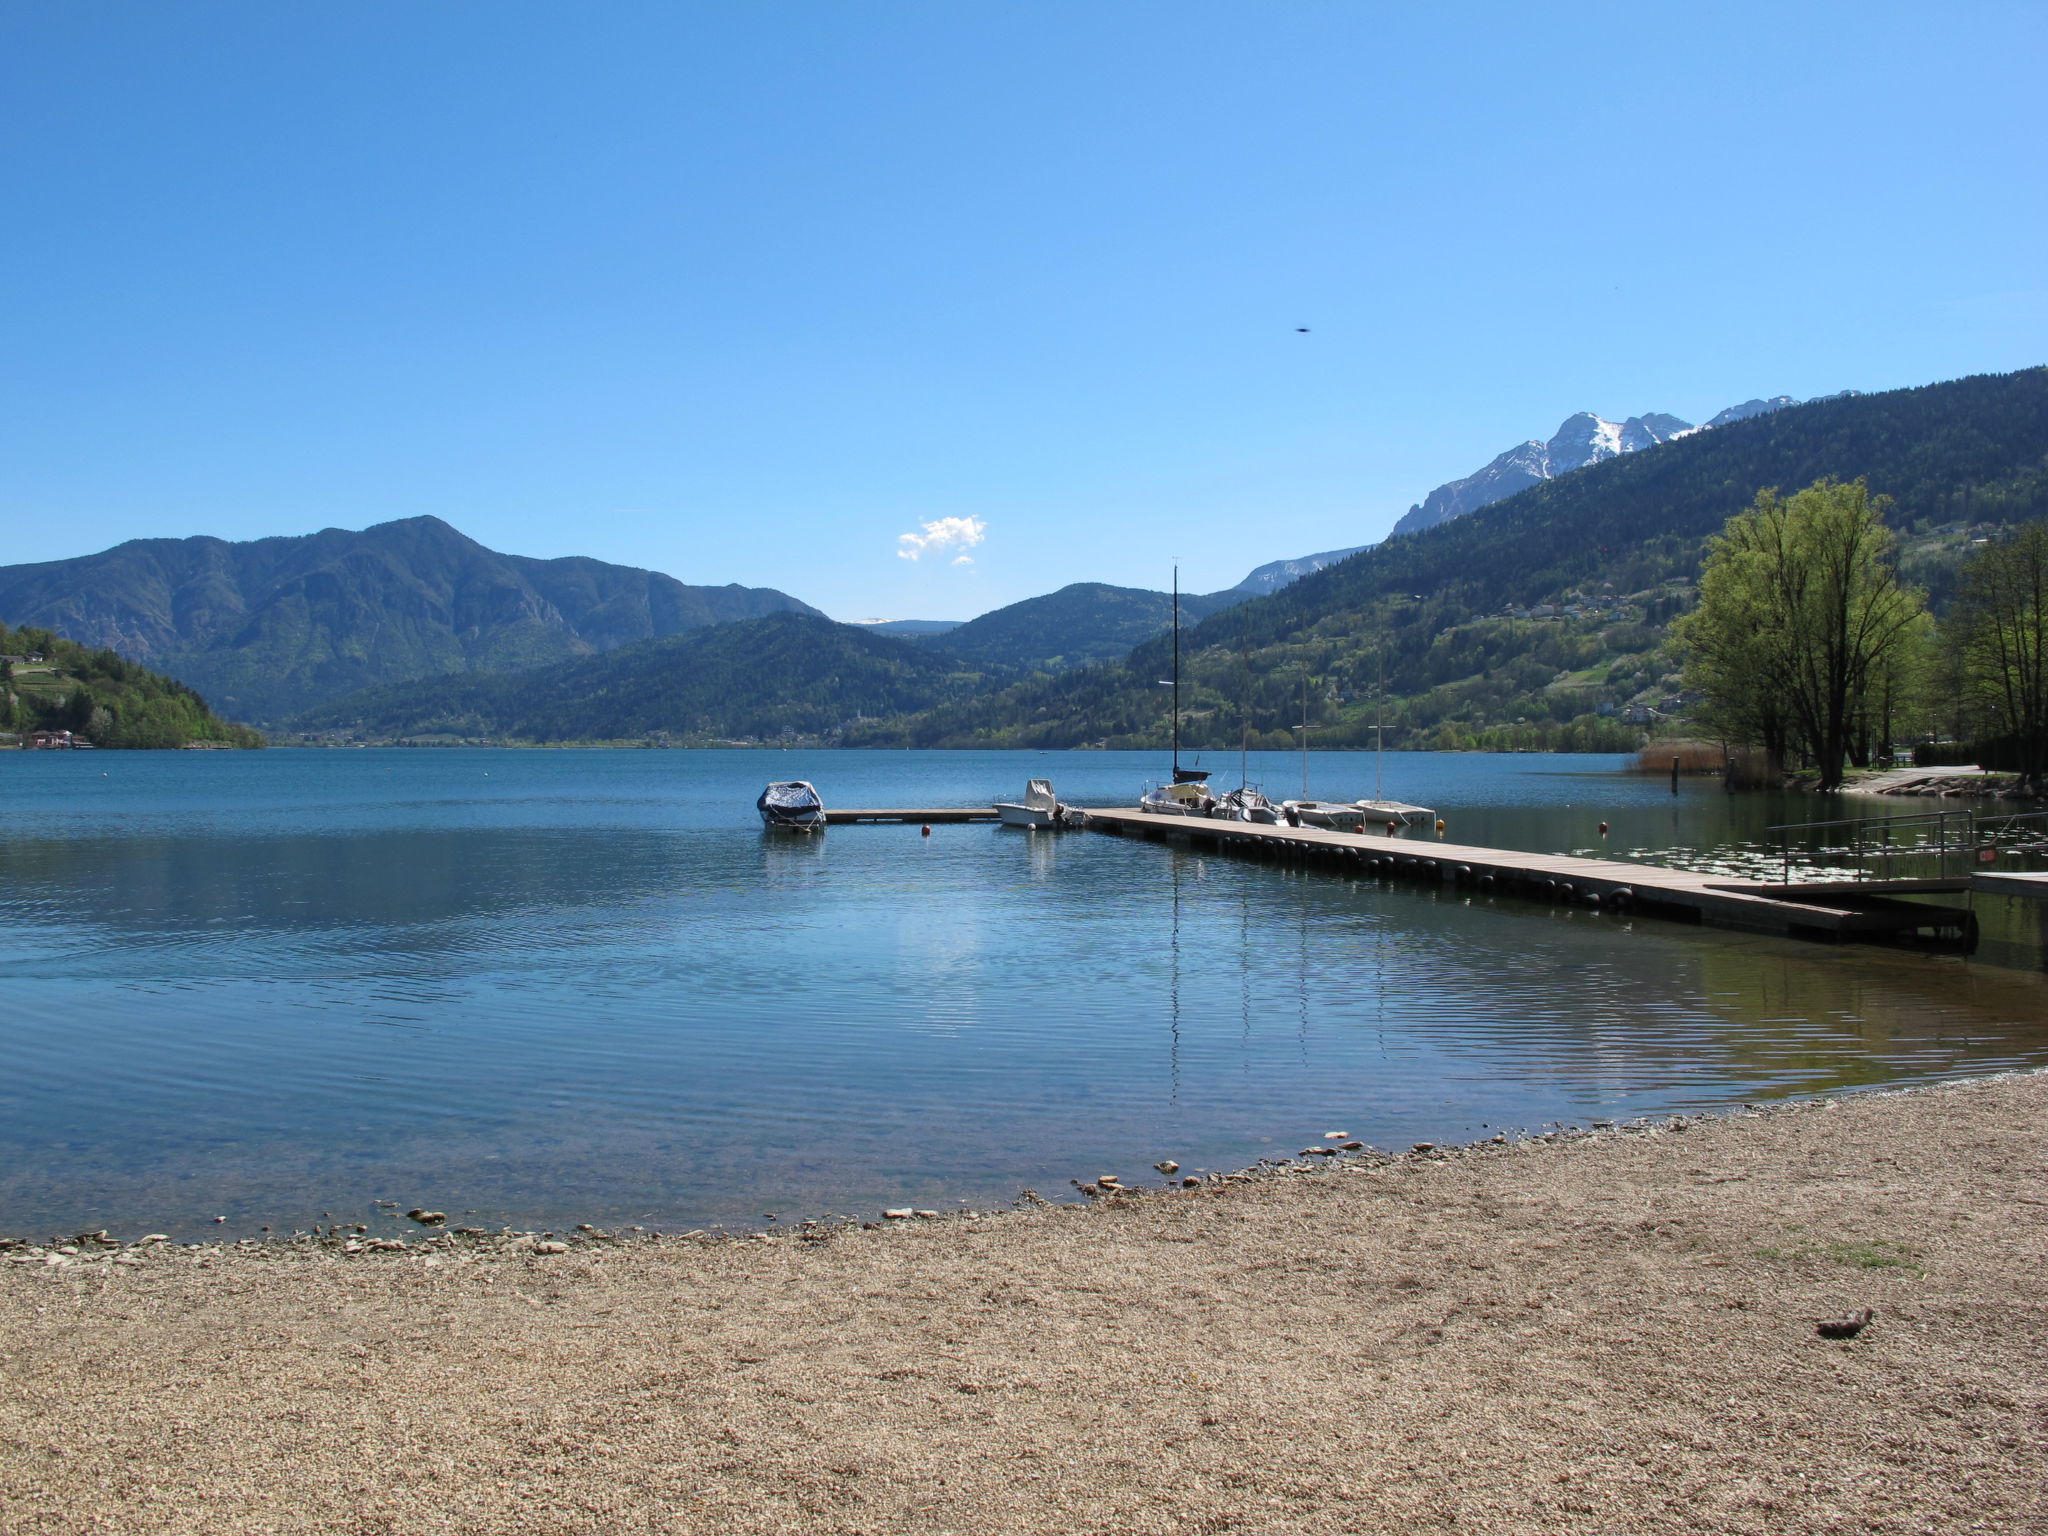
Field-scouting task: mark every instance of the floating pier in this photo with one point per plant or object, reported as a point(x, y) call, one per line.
point(944, 813)
point(1832, 912)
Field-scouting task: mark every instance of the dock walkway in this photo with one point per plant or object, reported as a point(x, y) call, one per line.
point(1834, 912)
point(936, 814)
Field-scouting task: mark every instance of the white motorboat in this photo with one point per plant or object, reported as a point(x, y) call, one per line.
point(793, 806)
point(1038, 808)
point(1330, 815)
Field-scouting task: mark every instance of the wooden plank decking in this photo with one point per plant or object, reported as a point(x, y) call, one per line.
point(942, 813)
point(1834, 912)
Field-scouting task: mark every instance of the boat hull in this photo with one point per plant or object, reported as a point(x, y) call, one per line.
point(1330, 818)
point(1025, 815)
point(1380, 812)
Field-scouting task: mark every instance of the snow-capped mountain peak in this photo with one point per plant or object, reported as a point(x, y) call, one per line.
point(1580, 439)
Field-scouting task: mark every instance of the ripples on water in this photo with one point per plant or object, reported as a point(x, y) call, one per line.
point(548, 987)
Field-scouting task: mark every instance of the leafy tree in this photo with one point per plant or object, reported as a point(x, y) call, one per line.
point(1803, 625)
point(1999, 639)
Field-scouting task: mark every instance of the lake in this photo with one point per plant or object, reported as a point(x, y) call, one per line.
point(544, 987)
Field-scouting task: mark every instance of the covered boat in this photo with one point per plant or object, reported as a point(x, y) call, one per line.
point(1327, 814)
point(1038, 808)
point(1245, 803)
point(1187, 795)
point(794, 804)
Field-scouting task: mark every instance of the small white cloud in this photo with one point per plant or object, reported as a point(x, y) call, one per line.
point(943, 533)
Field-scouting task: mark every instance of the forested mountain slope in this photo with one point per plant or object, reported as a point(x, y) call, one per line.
point(273, 626)
point(789, 675)
point(48, 683)
point(1542, 609)
point(1081, 623)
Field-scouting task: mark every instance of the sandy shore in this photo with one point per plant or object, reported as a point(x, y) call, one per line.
point(1607, 1333)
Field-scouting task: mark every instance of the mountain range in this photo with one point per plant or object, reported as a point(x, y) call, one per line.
point(786, 675)
point(1582, 439)
point(269, 628)
point(1545, 605)
point(1537, 620)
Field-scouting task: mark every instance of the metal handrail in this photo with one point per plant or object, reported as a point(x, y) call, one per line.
point(1939, 847)
point(1981, 830)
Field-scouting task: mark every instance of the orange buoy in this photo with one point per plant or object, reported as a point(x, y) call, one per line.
point(1439, 826)
point(1603, 829)
point(927, 831)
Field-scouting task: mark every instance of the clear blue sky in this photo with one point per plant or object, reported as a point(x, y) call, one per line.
point(746, 291)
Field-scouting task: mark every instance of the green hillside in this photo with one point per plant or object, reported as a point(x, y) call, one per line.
point(783, 677)
point(1079, 624)
point(57, 685)
point(1538, 620)
point(271, 627)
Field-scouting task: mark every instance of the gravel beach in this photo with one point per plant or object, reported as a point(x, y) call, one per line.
point(1611, 1332)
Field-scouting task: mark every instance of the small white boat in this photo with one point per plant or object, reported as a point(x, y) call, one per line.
point(1187, 795)
point(1379, 812)
point(1246, 804)
point(1327, 814)
point(792, 805)
point(1039, 807)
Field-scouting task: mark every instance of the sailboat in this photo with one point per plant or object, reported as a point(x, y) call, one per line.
point(1245, 803)
point(1188, 794)
point(1379, 809)
point(1330, 815)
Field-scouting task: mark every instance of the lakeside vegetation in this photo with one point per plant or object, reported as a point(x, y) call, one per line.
point(102, 697)
point(1808, 645)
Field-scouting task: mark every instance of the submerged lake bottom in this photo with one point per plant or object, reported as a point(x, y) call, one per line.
point(542, 988)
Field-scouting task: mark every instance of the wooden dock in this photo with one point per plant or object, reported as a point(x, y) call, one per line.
point(937, 814)
point(1833, 911)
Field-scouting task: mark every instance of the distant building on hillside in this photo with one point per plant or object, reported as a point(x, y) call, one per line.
point(48, 741)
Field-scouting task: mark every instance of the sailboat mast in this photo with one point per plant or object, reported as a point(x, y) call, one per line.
point(1304, 733)
point(1379, 767)
point(1176, 674)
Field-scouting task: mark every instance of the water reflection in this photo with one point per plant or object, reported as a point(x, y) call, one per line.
point(661, 1022)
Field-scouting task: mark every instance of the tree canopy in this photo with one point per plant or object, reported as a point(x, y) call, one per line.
point(1998, 640)
point(1804, 626)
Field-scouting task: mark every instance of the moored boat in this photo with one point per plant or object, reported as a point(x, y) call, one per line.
point(1039, 807)
point(1379, 812)
point(792, 805)
point(1245, 803)
point(1187, 795)
point(1188, 792)
point(1330, 815)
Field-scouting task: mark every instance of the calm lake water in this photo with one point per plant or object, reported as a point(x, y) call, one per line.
point(554, 986)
